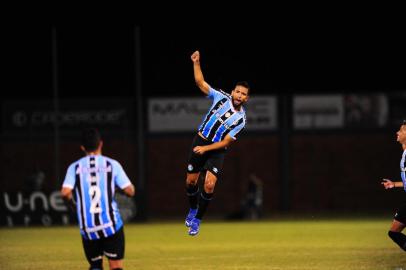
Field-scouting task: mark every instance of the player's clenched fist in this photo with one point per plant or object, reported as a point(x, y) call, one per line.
point(195, 56)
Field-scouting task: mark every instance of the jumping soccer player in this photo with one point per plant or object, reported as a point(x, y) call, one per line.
point(222, 124)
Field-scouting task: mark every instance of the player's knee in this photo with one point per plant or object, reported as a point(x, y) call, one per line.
point(96, 265)
point(191, 180)
point(209, 187)
point(191, 183)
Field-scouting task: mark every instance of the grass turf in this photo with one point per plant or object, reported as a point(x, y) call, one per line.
point(270, 244)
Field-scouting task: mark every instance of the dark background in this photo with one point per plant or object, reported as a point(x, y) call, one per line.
point(96, 58)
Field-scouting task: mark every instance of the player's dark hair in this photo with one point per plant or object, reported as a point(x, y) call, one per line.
point(404, 122)
point(90, 139)
point(244, 84)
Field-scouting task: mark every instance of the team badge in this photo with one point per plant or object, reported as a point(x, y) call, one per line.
point(190, 167)
point(227, 114)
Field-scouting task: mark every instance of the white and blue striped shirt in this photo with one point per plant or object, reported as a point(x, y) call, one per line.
point(93, 180)
point(403, 169)
point(222, 118)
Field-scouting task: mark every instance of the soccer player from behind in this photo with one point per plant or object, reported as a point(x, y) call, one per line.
point(90, 184)
point(222, 124)
point(399, 221)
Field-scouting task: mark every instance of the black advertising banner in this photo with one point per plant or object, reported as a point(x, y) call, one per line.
point(41, 117)
point(40, 208)
point(34, 208)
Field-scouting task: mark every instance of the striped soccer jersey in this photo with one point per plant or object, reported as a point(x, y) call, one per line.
point(403, 169)
point(222, 118)
point(93, 180)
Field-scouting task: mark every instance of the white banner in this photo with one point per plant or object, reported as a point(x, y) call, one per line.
point(186, 114)
point(262, 113)
point(176, 114)
point(321, 111)
point(369, 110)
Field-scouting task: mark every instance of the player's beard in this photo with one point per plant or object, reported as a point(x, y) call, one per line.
point(237, 104)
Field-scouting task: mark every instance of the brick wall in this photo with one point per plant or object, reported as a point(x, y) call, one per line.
point(336, 172)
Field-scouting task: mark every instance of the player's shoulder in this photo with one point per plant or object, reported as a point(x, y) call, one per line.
point(75, 163)
point(115, 163)
point(219, 91)
point(74, 166)
point(111, 160)
point(243, 113)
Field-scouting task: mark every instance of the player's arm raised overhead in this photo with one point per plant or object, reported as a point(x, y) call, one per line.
point(214, 146)
point(197, 70)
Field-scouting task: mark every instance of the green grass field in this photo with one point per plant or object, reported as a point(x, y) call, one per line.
point(271, 244)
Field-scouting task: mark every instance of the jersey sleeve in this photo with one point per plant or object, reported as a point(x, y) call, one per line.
point(236, 131)
point(70, 178)
point(120, 179)
point(215, 95)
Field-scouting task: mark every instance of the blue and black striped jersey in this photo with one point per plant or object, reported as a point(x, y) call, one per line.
point(93, 180)
point(403, 169)
point(222, 118)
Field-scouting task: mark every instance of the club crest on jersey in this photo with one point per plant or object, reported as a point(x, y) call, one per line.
point(190, 167)
point(227, 115)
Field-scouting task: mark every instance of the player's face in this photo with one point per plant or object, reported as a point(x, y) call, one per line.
point(239, 95)
point(401, 134)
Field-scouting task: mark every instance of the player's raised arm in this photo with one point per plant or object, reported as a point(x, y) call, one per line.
point(197, 70)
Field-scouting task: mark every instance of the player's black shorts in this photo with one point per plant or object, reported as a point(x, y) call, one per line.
point(211, 161)
point(400, 214)
point(112, 247)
